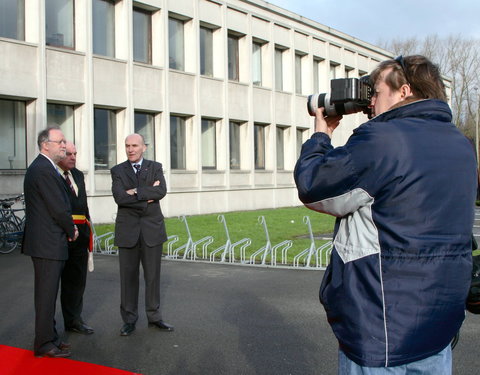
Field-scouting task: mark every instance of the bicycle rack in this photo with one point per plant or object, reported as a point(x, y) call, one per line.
point(320, 254)
point(171, 240)
point(190, 247)
point(228, 249)
point(268, 249)
point(103, 244)
point(226, 252)
point(308, 252)
point(326, 250)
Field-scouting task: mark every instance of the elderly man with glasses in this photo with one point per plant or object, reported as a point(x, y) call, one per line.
point(48, 228)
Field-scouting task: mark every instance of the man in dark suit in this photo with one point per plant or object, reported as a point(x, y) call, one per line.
point(48, 228)
point(137, 186)
point(74, 275)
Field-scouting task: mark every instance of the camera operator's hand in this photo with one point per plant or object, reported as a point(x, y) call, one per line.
point(326, 124)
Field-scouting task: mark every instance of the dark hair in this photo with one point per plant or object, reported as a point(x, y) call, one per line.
point(423, 76)
point(44, 135)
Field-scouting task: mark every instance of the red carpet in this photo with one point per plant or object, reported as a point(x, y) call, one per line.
point(16, 361)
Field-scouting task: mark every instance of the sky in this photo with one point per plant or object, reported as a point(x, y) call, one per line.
point(377, 21)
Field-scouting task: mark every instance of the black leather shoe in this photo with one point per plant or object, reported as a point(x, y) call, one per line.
point(55, 353)
point(162, 325)
point(127, 329)
point(64, 346)
point(80, 328)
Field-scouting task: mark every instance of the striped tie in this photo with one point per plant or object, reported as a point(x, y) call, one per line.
point(69, 182)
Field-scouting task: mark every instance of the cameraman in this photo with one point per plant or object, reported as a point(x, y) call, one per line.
point(403, 190)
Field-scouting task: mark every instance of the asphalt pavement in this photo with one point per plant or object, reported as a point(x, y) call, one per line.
point(229, 319)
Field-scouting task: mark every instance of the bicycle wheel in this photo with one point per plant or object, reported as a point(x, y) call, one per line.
point(8, 237)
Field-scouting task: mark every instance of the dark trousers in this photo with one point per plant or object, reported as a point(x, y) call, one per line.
point(74, 279)
point(47, 280)
point(130, 259)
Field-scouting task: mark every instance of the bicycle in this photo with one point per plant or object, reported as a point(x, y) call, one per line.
point(11, 224)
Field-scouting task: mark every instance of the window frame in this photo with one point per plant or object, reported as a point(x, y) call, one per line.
point(147, 39)
point(299, 137)
point(298, 73)
point(257, 63)
point(22, 140)
point(180, 50)
point(279, 68)
point(213, 153)
point(280, 148)
point(19, 20)
point(149, 138)
point(233, 56)
point(182, 152)
point(235, 145)
point(111, 151)
point(204, 56)
point(259, 146)
point(109, 49)
point(68, 132)
point(72, 28)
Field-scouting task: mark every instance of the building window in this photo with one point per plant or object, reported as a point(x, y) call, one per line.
point(235, 145)
point(233, 72)
point(103, 40)
point(257, 63)
point(209, 144)
point(13, 153)
point(62, 116)
point(12, 19)
point(59, 23)
point(348, 72)
point(316, 75)
point(298, 73)
point(176, 42)
point(333, 71)
point(177, 143)
point(259, 146)
point(145, 126)
point(206, 51)
point(279, 69)
point(142, 36)
point(280, 148)
point(300, 133)
point(105, 138)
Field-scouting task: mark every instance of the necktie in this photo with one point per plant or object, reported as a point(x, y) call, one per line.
point(137, 167)
point(69, 182)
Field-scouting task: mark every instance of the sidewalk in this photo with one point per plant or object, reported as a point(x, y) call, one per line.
point(228, 320)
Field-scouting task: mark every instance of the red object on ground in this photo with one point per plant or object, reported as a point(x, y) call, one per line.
point(15, 361)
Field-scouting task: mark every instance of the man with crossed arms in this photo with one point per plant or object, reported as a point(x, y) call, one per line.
point(137, 186)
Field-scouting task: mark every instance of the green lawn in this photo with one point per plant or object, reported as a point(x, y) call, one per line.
point(283, 224)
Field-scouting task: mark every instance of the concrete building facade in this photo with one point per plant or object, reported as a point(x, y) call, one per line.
point(217, 88)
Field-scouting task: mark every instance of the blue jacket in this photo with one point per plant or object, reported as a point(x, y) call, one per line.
point(403, 190)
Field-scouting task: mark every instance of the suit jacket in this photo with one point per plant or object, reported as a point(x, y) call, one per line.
point(79, 207)
point(135, 215)
point(48, 220)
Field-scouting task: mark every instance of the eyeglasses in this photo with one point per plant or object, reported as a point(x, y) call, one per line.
point(58, 142)
point(401, 62)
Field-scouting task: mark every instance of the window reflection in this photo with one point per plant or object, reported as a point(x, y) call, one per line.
point(105, 136)
point(12, 135)
point(103, 14)
point(59, 25)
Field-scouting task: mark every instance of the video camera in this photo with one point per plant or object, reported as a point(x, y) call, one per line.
point(348, 95)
